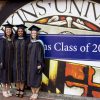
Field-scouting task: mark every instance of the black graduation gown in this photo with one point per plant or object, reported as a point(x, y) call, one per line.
point(6, 58)
point(35, 58)
point(20, 60)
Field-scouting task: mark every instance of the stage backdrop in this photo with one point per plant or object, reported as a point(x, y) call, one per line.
point(71, 36)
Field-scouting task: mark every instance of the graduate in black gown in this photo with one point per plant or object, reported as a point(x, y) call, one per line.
point(6, 60)
point(20, 59)
point(35, 62)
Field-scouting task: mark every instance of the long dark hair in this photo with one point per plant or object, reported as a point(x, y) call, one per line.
point(24, 33)
point(11, 35)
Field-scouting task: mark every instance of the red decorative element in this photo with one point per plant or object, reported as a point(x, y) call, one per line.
point(74, 70)
point(96, 94)
point(62, 18)
point(91, 26)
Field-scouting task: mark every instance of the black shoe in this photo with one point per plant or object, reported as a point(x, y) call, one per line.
point(17, 92)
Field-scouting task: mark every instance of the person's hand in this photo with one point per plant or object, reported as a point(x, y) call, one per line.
point(39, 67)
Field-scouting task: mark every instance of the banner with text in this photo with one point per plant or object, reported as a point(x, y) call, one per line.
point(73, 47)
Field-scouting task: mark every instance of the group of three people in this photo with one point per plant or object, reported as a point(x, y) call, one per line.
point(21, 60)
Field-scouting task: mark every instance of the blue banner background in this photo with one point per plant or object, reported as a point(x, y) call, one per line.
point(80, 47)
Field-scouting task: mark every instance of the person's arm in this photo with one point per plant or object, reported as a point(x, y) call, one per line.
point(40, 59)
point(40, 56)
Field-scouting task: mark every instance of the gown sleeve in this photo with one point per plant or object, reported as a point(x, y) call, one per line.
point(40, 55)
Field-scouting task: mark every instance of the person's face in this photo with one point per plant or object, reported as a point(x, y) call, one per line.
point(33, 34)
point(20, 32)
point(8, 31)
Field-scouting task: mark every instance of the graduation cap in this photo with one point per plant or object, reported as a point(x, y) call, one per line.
point(22, 26)
point(33, 27)
point(8, 25)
